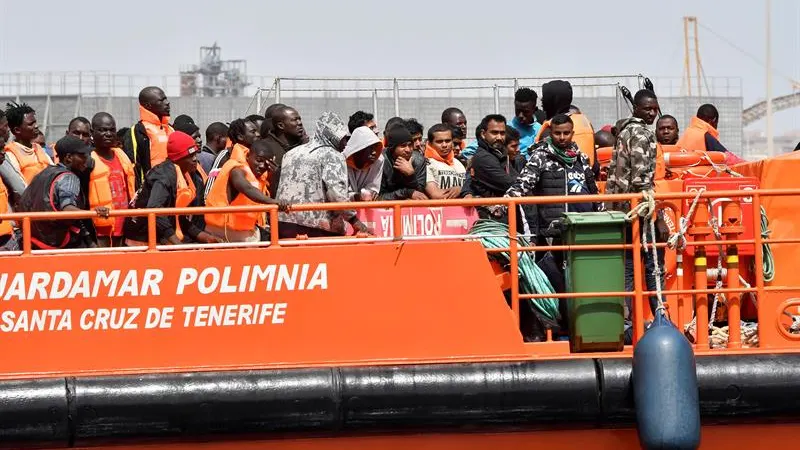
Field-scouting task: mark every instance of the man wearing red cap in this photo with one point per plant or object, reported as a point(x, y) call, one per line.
point(175, 183)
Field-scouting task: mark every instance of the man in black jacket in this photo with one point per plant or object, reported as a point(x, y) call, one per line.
point(286, 133)
point(491, 172)
point(173, 183)
point(404, 174)
point(58, 188)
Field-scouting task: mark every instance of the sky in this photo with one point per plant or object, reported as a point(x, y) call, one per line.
point(469, 38)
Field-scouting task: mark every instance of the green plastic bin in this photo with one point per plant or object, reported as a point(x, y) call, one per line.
point(596, 324)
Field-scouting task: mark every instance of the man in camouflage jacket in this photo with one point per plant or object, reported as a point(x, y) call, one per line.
point(633, 161)
point(632, 170)
point(316, 172)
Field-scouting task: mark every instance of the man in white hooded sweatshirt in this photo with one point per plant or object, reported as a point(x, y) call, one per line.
point(364, 164)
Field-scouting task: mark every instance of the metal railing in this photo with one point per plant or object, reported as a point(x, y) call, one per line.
point(767, 313)
point(105, 83)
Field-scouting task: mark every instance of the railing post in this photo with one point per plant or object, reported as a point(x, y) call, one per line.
point(514, 257)
point(616, 97)
point(496, 99)
point(26, 236)
point(274, 235)
point(151, 232)
point(758, 271)
point(638, 298)
point(397, 223)
point(277, 90)
point(258, 100)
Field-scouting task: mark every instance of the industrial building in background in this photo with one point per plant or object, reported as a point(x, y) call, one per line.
point(214, 77)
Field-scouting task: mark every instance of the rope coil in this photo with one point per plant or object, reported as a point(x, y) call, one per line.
point(494, 235)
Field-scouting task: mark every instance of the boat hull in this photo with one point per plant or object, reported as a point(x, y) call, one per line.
point(592, 396)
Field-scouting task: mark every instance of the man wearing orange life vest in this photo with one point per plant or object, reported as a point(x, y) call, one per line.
point(702, 134)
point(26, 158)
point(175, 183)
point(146, 144)
point(243, 185)
point(242, 133)
point(112, 181)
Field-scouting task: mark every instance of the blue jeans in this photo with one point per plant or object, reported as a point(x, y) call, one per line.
point(649, 275)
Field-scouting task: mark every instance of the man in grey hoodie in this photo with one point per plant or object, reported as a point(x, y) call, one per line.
point(316, 172)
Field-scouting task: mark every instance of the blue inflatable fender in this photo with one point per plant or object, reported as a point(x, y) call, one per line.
point(665, 388)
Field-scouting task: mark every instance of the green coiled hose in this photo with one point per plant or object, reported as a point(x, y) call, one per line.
point(494, 235)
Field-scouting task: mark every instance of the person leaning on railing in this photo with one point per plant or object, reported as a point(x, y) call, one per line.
point(58, 188)
point(175, 183)
point(245, 184)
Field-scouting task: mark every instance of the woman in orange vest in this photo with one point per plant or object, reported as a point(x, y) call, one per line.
point(112, 181)
point(175, 183)
point(146, 143)
point(245, 184)
point(26, 157)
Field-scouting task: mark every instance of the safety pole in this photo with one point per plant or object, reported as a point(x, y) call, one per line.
point(496, 99)
point(258, 100)
point(516, 85)
point(616, 97)
point(277, 90)
point(770, 130)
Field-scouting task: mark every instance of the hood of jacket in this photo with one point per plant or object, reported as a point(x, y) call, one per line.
point(361, 139)
point(556, 97)
point(330, 131)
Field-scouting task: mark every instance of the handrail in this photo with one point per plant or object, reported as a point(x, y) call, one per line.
point(483, 201)
point(639, 294)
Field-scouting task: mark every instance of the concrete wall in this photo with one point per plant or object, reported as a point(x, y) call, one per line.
point(427, 109)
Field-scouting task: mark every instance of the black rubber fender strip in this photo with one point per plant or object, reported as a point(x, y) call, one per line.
point(548, 394)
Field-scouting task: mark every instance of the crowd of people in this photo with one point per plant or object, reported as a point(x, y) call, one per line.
point(272, 159)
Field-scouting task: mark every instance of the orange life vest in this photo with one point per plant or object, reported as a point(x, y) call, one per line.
point(239, 153)
point(29, 164)
point(100, 187)
point(218, 197)
point(185, 193)
point(603, 156)
point(158, 131)
point(584, 134)
point(661, 167)
point(694, 137)
point(5, 225)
